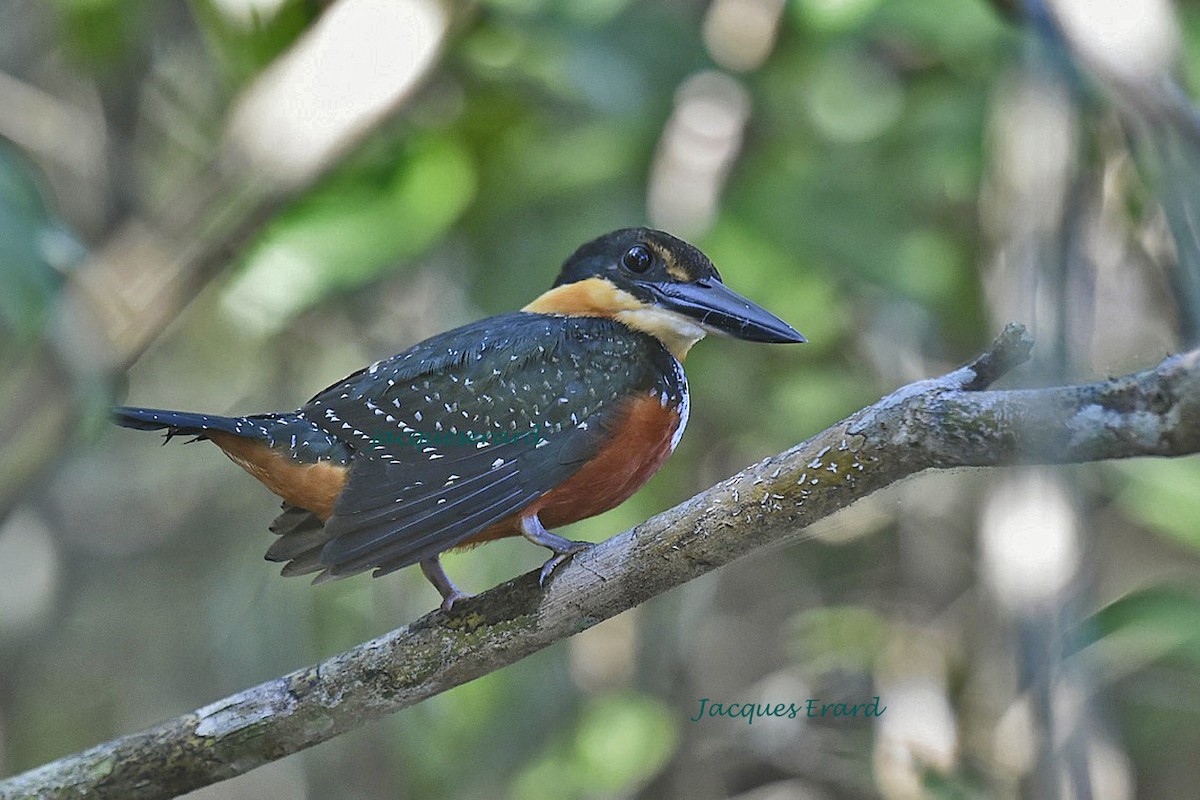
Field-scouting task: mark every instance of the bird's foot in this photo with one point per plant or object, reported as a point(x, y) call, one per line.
point(560, 556)
point(448, 600)
point(564, 548)
point(451, 594)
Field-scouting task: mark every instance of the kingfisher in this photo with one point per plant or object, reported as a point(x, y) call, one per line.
point(513, 425)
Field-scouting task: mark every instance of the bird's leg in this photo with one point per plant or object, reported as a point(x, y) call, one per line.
point(531, 529)
point(451, 594)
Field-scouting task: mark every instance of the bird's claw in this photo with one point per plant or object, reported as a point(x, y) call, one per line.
point(453, 597)
point(559, 557)
point(451, 594)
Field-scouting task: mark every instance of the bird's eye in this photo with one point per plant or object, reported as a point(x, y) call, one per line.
point(637, 259)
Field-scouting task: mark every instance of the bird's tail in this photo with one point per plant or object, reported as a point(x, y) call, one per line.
point(290, 433)
point(185, 423)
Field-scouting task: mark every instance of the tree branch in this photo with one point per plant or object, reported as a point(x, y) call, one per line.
point(945, 422)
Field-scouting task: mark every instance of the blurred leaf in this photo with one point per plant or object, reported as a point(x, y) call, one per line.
point(555, 165)
point(930, 267)
point(1147, 625)
point(1170, 153)
point(432, 737)
point(852, 97)
point(518, 6)
point(618, 743)
point(592, 12)
point(354, 227)
point(35, 251)
point(243, 46)
point(101, 33)
point(838, 638)
point(964, 32)
point(1165, 495)
point(832, 16)
point(816, 396)
point(957, 786)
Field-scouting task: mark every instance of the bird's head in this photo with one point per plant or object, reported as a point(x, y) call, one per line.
point(658, 284)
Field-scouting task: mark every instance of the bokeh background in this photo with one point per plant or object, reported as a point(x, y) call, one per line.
point(225, 205)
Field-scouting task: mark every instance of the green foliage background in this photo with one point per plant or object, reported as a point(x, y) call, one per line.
point(131, 582)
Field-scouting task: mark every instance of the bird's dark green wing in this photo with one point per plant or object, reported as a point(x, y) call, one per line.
point(509, 408)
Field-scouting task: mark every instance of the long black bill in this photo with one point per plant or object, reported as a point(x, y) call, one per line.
point(719, 308)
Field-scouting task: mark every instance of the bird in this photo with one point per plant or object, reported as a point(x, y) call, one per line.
point(512, 425)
